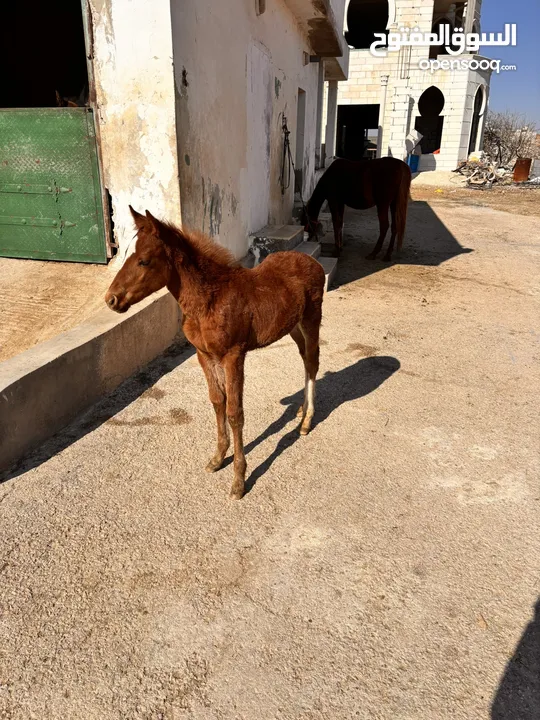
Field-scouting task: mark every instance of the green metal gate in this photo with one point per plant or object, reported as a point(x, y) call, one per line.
point(50, 192)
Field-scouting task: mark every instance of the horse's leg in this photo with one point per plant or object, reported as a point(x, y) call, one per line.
point(216, 391)
point(298, 338)
point(337, 209)
point(393, 231)
point(382, 212)
point(310, 326)
point(233, 364)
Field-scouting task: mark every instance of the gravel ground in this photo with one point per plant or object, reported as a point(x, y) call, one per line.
point(385, 566)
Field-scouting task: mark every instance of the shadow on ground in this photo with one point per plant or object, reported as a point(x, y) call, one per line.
point(518, 695)
point(333, 389)
point(427, 242)
point(104, 409)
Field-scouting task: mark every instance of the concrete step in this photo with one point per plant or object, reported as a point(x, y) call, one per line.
point(309, 248)
point(330, 269)
point(274, 238)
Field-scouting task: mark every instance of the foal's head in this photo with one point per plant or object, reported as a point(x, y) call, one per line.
point(148, 269)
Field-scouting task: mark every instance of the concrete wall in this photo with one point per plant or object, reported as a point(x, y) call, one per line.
point(135, 96)
point(236, 74)
point(407, 83)
point(46, 387)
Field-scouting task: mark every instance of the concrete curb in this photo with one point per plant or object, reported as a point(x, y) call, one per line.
point(45, 388)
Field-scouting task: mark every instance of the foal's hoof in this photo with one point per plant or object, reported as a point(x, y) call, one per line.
point(214, 465)
point(237, 492)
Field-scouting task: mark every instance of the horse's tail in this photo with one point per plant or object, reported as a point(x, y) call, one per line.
point(404, 194)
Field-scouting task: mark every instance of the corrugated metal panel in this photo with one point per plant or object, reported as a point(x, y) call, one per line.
point(50, 195)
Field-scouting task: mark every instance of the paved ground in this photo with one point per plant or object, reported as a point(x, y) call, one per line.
point(39, 300)
point(386, 566)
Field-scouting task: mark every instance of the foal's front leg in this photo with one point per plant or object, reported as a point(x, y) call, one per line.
point(233, 364)
point(216, 391)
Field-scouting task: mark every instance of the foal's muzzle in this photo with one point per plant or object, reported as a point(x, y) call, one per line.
point(115, 303)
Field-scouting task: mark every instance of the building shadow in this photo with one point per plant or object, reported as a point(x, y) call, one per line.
point(428, 242)
point(103, 410)
point(518, 694)
point(333, 389)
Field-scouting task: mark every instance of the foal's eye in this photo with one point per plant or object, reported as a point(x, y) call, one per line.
point(144, 263)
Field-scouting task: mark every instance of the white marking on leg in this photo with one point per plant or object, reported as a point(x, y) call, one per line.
point(310, 398)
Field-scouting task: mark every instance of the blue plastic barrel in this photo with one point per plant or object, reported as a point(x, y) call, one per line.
point(412, 162)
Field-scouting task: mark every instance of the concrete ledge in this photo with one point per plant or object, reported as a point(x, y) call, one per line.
point(45, 388)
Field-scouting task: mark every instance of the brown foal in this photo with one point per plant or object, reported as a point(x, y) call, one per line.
point(227, 311)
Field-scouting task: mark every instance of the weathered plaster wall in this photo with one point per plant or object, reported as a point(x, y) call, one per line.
point(405, 86)
point(132, 51)
point(236, 74)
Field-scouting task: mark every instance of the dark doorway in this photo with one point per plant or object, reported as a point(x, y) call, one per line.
point(430, 122)
point(478, 102)
point(300, 141)
point(42, 52)
point(354, 125)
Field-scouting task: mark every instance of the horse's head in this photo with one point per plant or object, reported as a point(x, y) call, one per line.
point(147, 270)
point(314, 228)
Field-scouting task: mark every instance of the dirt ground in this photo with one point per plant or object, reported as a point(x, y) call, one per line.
point(512, 199)
point(39, 300)
point(384, 567)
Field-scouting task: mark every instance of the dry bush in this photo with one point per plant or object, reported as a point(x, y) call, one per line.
point(509, 136)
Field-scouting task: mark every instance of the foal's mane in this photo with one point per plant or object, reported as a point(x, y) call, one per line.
point(201, 244)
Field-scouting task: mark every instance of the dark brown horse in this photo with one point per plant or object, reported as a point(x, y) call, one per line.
point(227, 311)
point(384, 182)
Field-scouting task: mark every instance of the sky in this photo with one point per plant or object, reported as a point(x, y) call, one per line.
point(519, 90)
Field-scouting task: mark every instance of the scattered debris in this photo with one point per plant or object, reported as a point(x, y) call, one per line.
point(483, 174)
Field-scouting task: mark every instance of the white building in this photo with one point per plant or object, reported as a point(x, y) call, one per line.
point(388, 97)
point(192, 96)
point(177, 106)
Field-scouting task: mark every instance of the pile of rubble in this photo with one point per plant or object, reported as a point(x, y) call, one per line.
point(481, 173)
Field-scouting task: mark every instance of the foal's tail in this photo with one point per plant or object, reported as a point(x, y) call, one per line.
point(404, 193)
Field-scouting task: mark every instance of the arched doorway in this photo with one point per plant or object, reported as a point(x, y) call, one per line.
point(477, 114)
point(430, 121)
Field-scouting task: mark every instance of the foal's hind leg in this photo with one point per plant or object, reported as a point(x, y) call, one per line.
point(310, 325)
point(216, 389)
point(382, 212)
point(298, 338)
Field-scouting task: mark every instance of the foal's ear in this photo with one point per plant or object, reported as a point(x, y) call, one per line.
point(140, 220)
point(155, 225)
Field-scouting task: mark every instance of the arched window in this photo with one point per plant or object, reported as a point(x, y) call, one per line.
point(430, 121)
point(477, 113)
point(365, 17)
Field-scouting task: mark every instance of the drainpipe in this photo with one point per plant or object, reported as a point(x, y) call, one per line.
point(382, 110)
point(331, 121)
point(318, 126)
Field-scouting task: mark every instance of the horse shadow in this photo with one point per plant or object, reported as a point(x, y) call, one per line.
point(518, 694)
point(333, 389)
point(428, 242)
